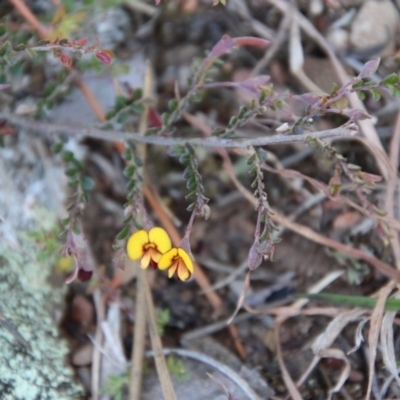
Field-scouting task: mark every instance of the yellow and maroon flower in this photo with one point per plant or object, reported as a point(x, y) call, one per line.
point(177, 261)
point(149, 246)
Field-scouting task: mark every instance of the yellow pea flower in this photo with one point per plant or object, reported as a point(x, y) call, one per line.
point(178, 261)
point(149, 246)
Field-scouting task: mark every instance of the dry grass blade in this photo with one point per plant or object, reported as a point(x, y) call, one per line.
point(304, 231)
point(138, 348)
point(375, 328)
point(296, 58)
point(220, 383)
point(393, 184)
point(325, 340)
point(222, 368)
point(114, 361)
point(240, 301)
point(338, 354)
point(135, 382)
point(387, 345)
point(289, 383)
point(161, 366)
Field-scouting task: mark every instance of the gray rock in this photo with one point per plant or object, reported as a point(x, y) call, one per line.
point(374, 28)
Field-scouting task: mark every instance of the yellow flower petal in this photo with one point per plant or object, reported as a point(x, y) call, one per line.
point(167, 258)
point(155, 255)
point(186, 259)
point(172, 270)
point(182, 271)
point(160, 238)
point(135, 244)
point(145, 261)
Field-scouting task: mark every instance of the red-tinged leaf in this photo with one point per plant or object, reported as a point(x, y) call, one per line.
point(158, 2)
point(369, 68)
point(65, 60)
point(105, 56)
point(252, 85)
point(357, 115)
point(84, 275)
point(251, 41)
point(79, 42)
point(254, 258)
point(154, 118)
point(371, 179)
point(225, 45)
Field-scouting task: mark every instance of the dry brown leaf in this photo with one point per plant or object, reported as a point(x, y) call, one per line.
point(338, 354)
point(375, 328)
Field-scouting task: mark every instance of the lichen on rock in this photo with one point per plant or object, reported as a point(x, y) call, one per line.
point(37, 370)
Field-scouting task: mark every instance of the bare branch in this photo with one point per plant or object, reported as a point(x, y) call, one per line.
point(115, 136)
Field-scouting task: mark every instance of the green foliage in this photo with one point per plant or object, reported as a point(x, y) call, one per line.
point(354, 301)
point(134, 206)
point(125, 108)
point(79, 183)
point(116, 386)
point(177, 368)
point(194, 181)
point(163, 317)
point(48, 244)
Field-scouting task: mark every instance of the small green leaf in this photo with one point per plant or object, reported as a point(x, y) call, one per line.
point(358, 84)
point(123, 117)
point(232, 122)
point(165, 118)
point(190, 149)
point(335, 88)
point(58, 147)
point(123, 234)
point(68, 156)
point(19, 47)
point(31, 53)
point(361, 95)
point(184, 159)
point(218, 132)
point(242, 112)
point(127, 154)
point(252, 159)
point(391, 79)
point(120, 102)
point(137, 108)
point(376, 94)
point(88, 183)
point(173, 105)
point(395, 91)
point(131, 185)
point(191, 184)
point(191, 207)
point(129, 171)
point(341, 104)
point(72, 171)
point(2, 29)
point(5, 48)
point(111, 114)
